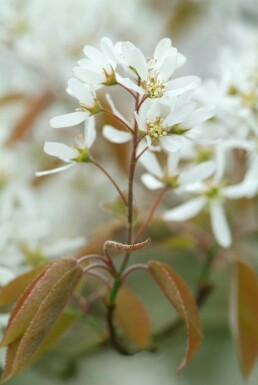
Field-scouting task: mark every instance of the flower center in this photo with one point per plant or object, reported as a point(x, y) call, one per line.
point(155, 129)
point(213, 192)
point(153, 87)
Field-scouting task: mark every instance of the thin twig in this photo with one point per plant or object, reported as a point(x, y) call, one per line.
point(141, 153)
point(119, 119)
point(101, 277)
point(112, 332)
point(87, 258)
point(110, 178)
point(151, 213)
point(128, 90)
point(130, 269)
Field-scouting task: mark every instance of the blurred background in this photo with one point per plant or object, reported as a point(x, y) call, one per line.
point(44, 218)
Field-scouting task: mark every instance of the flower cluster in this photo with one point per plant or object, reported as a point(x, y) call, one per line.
point(171, 117)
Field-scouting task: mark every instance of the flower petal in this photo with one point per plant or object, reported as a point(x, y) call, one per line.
point(68, 120)
point(199, 116)
point(169, 65)
point(149, 161)
point(135, 58)
point(55, 170)
point(89, 132)
point(171, 143)
point(186, 210)
point(161, 48)
point(219, 225)
point(88, 75)
point(60, 150)
point(115, 110)
point(183, 84)
point(116, 136)
point(128, 83)
point(151, 182)
point(82, 92)
point(197, 173)
point(172, 163)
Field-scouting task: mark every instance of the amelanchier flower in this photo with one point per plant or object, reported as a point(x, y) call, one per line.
point(152, 76)
point(171, 176)
point(99, 66)
point(210, 194)
point(71, 155)
point(88, 102)
point(171, 121)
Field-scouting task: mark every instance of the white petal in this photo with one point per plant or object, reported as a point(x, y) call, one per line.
point(185, 211)
point(68, 120)
point(172, 163)
point(95, 55)
point(88, 75)
point(81, 91)
point(161, 48)
point(116, 136)
point(60, 150)
point(151, 182)
point(183, 84)
point(135, 58)
point(219, 225)
point(108, 49)
point(181, 59)
point(168, 66)
point(240, 190)
point(171, 143)
point(54, 170)
point(89, 132)
point(179, 114)
point(197, 173)
point(220, 163)
point(128, 83)
point(115, 110)
point(199, 116)
point(149, 161)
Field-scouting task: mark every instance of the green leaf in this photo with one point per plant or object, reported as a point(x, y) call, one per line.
point(12, 291)
point(118, 209)
point(37, 311)
point(244, 315)
point(180, 297)
point(132, 318)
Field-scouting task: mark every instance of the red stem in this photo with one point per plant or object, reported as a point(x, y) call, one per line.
point(150, 215)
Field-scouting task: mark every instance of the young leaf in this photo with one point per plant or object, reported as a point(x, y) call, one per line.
point(63, 323)
point(12, 291)
point(21, 350)
point(244, 315)
point(29, 301)
point(180, 297)
point(131, 316)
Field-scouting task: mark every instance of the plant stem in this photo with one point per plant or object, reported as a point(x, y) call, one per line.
point(150, 215)
point(117, 118)
point(110, 178)
point(128, 90)
point(112, 331)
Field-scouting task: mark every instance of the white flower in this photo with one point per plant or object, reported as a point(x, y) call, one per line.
point(170, 175)
point(154, 73)
point(99, 66)
point(71, 155)
point(89, 105)
point(170, 122)
point(212, 195)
